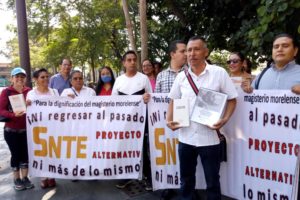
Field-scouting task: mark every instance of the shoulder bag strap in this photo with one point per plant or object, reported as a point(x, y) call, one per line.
point(74, 92)
point(261, 74)
point(190, 79)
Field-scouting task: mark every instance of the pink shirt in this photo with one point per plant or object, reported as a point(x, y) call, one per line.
point(152, 82)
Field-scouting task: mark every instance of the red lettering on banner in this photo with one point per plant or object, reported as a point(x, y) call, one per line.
point(273, 147)
point(116, 155)
point(267, 174)
point(118, 135)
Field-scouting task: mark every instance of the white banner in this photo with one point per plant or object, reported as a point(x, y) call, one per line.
point(262, 144)
point(86, 138)
point(164, 147)
point(264, 140)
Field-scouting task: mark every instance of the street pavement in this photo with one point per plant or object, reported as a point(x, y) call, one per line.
point(68, 190)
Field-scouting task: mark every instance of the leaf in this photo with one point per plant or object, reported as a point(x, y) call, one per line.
point(269, 2)
point(264, 28)
point(296, 4)
point(261, 11)
point(74, 40)
point(255, 42)
point(282, 7)
point(299, 29)
point(252, 34)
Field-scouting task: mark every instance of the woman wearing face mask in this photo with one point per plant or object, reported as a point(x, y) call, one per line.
point(106, 81)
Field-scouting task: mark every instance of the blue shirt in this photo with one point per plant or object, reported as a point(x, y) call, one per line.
point(281, 79)
point(58, 82)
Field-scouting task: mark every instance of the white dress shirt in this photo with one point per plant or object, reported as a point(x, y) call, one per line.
point(214, 78)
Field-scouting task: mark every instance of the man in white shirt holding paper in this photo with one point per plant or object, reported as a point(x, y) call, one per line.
point(198, 139)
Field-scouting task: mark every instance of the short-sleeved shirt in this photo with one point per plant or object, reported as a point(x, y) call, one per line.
point(34, 94)
point(279, 79)
point(85, 91)
point(131, 85)
point(214, 78)
point(58, 82)
point(165, 80)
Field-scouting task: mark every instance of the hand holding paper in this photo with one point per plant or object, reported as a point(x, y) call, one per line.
point(173, 125)
point(17, 103)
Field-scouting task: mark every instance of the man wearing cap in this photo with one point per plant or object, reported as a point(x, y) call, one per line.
point(15, 129)
point(60, 81)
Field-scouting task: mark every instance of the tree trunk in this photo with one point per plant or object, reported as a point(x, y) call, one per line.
point(23, 39)
point(130, 30)
point(144, 31)
point(93, 69)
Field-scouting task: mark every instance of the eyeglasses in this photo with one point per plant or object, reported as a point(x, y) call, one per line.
point(233, 61)
point(147, 65)
point(77, 78)
point(44, 77)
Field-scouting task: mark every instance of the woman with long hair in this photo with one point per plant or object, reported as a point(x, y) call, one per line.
point(148, 70)
point(106, 81)
point(42, 91)
point(237, 69)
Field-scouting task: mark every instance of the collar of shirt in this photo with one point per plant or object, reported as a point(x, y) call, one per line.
point(172, 70)
point(206, 70)
point(83, 88)
point(291, 63)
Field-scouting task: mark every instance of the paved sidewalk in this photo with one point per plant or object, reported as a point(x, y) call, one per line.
point(66, 189)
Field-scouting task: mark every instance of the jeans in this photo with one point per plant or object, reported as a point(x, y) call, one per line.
point(210, 158)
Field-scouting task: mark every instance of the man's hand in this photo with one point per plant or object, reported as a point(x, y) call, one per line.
point(173, 125)
point(28, 102)
point(296, 89)
point(219, 124)
point(146, 97)
point(71, 96)
point(231, 103)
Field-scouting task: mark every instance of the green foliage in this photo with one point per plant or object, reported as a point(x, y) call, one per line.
point(246, 26)
point(90, 32)
point(273, 17)
point(93, 32)
point(219, 58)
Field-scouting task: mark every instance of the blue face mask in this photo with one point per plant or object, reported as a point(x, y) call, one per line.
point(106, 79)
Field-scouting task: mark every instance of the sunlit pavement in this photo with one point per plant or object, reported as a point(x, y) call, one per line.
point(65, 189)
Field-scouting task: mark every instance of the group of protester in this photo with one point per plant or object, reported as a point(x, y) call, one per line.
point(188, 68)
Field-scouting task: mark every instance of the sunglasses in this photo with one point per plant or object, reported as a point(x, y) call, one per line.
point(233, 61)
